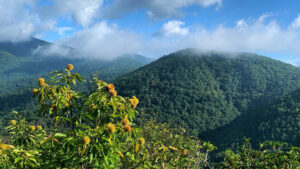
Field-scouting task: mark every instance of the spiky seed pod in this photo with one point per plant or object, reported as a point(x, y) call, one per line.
point(131, 101)
point(35, 91)
point(32, 128)
point(70, 67)
point(127, 128)
point(142, 141)
point(41, 82)
point(125, 122)
point(184, 152)
point(110, 87)
point(111, 128)
point(134, 101)
point(113, 93)
point(13, 122)
point(39, 127)
point(86, 140)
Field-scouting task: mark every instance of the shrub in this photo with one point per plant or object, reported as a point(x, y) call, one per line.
point(94, 130)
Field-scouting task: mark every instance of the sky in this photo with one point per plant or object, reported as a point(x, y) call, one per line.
point(110, 28)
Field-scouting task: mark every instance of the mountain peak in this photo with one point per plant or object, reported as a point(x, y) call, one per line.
point(22, 49)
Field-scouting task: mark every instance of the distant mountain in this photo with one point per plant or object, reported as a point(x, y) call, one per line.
point(139, 58)
point(20, 68)
point(207, 91)
point(19, 60)
point(22, 49)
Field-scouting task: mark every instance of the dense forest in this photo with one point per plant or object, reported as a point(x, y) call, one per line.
point(97, 130)
point(19, 67)
point(215, 96)
point(219, 97)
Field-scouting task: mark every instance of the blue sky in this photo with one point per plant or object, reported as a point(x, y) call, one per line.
point(109, 28)
point(210, 17)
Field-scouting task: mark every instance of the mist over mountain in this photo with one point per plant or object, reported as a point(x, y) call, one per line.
point(36, 56)
point(20, 67)
point(23, 48)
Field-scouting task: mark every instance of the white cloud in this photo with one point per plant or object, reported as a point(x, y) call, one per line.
point(52, 50)
point(21, 19)
point(82, 11)
point(154, 8)
point(258, 36)
point(173, 27)
point(16, 22)
point(241, 24)
point(103, 41)
point(296, 23)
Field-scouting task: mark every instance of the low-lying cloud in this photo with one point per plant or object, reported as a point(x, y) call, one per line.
point(53, 50)
point(263, 35)
point(103, 41)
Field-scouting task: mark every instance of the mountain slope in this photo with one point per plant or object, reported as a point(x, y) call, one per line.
point(22, 49)
point(205, 91)
point(279, 120)
point(282, 120)
point(8, 61)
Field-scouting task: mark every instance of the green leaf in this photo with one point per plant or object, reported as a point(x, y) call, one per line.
point(60, 135)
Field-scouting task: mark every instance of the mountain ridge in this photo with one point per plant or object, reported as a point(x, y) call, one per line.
point(204, 92)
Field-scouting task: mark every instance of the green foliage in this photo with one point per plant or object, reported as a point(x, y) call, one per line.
point(270, 155)
point(171, 144)
point(282, 120)
point(94, 130)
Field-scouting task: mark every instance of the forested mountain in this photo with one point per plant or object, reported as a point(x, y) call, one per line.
point(23, 49)
point(218, 96)
point(278, 120)
point(18, 61)
point(281, 121)
point(20, 67)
